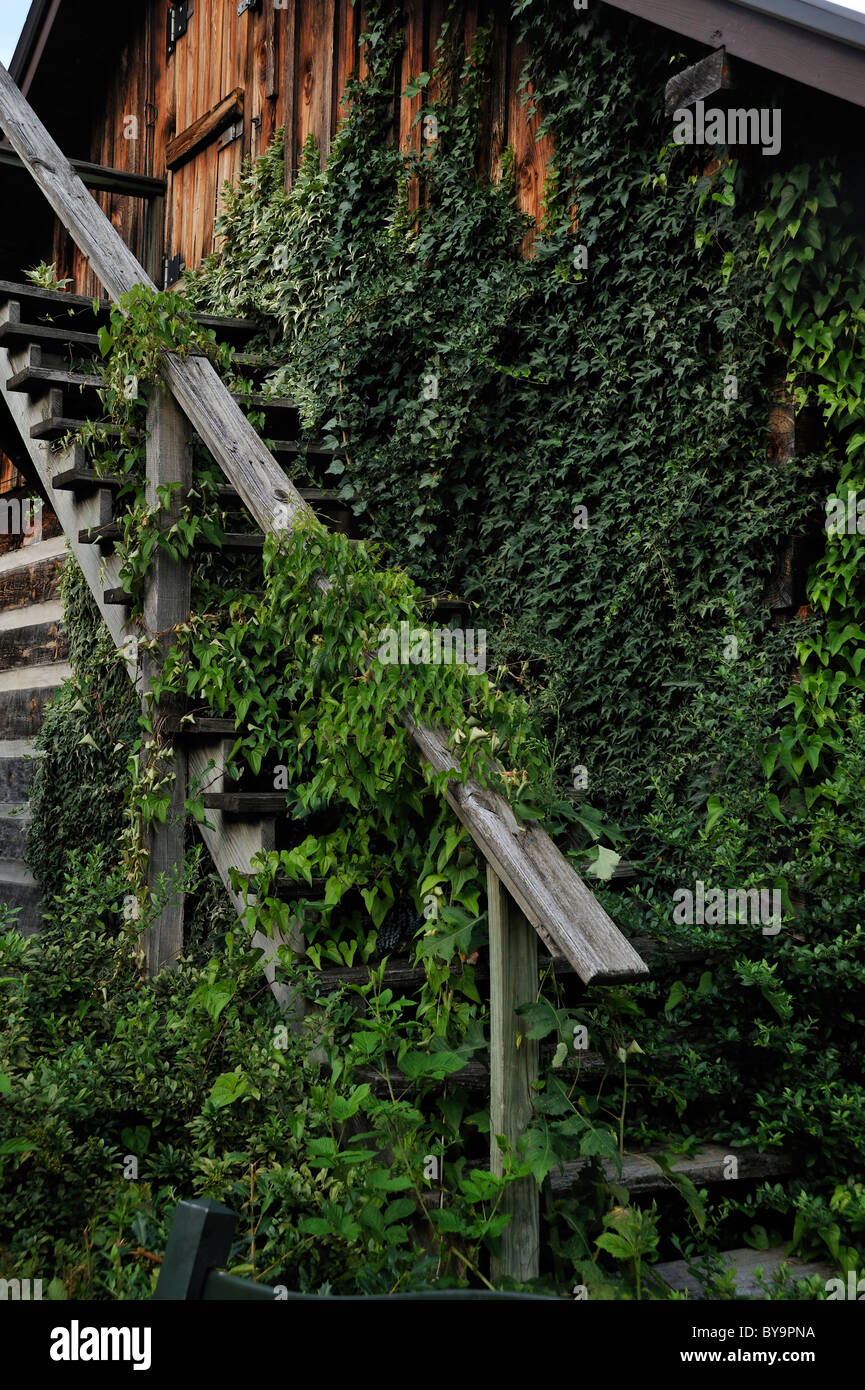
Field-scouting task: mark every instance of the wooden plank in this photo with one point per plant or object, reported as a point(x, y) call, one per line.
point(246, 803)
point(99, 572)
point(711, 1164)
point(560, 907)
point(32, 645)
point(12, 332)
point(16, 775)
point(13, 830)
point(98, 176)
point(712, 74)
point(27, 896)
point(290, 82)
point(271, 51)
point(30, 379)
point(166, 604)
point(744, 1264)
point(495, 124)
point(412, 64)
point(531, 156)
point(818, 60)
point(205, 129)
point(21, 711)
point(30, 583)
point(513, 1072)
point(563, 911)
point(83, 481)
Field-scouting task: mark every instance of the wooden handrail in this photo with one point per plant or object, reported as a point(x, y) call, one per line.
point(555, 900)
point(99, 176)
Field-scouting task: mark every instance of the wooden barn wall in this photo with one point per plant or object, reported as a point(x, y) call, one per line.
point(291, 64)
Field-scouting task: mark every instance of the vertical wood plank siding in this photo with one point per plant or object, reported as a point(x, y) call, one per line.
point(292, 63)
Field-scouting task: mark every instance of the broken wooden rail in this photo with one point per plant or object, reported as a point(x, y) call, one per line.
point(544, 896)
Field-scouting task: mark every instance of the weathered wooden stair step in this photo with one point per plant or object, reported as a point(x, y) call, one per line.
point(30, 575)
point(35, 379)
point(56, 426)
point(78, 306)
point(41, 301)
point(11, 333)
point(474, 1076)
point(207, 727)
point(245, 803)
point(641, 1174)
point(744, 1265)
point(294, 448)
point(84, 481)
point(449, 603)
point(109, 533)
point(227, 328)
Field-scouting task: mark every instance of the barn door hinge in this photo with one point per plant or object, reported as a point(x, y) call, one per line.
point(250, 5)
point(173, 267)
point(230, 134)
point(178, 22)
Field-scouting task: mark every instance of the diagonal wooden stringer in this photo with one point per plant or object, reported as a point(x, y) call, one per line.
point(544, 893)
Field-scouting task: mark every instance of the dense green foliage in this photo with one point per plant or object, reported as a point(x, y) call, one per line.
point(482, 396)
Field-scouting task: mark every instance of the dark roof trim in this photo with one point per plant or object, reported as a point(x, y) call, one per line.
point(822, 16)
point(31, 45)
point(773, 40)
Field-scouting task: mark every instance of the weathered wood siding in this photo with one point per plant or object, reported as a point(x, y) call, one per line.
point(291, 64)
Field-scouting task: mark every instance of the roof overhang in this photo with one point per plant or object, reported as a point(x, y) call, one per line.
point(31, 44)
point(811, 41)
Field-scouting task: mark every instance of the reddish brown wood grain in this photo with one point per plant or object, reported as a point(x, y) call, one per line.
point(293, 64)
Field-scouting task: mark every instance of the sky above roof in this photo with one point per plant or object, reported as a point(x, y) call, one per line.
point(12, 16)
point(14, 12)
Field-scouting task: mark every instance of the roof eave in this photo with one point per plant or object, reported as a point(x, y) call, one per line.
point(31, 44)
point(818, 60)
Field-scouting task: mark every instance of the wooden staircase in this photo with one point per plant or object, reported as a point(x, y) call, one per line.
point(50, 379)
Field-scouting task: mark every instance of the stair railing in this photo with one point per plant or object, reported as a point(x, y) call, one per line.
point(533, 889)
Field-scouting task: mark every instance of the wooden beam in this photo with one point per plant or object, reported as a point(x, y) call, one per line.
point(513, 1072)
point(99, 176)
point(205, 129)
point(290, 91)
point(558, 904)
point(818, 60)
point(166, 603)
point(563, 911)
point(712, 74)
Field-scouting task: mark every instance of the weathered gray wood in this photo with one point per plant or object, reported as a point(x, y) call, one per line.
point(99, 572)
point(245, 803)
point(709, 1165)
point(712, 74)
point(563, 911)
point(29, 582)
point(513, 1071)
point(820, 60)
point(21, 710)
point(166, 604)
point(100, 176)
point(36, 379)
point(744, 1264)
point(555, 900)
point(16, 331)
point(33, 644)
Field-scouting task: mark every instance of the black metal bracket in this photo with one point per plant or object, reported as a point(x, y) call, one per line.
point(230, 134)
point(174, 268)
point(178, 23)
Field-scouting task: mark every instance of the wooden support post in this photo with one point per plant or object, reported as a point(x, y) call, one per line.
point(513, 1070)
point(166, 603)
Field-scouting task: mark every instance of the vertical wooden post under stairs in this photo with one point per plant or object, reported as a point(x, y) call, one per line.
point(513, 1070)
point(167, 599)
